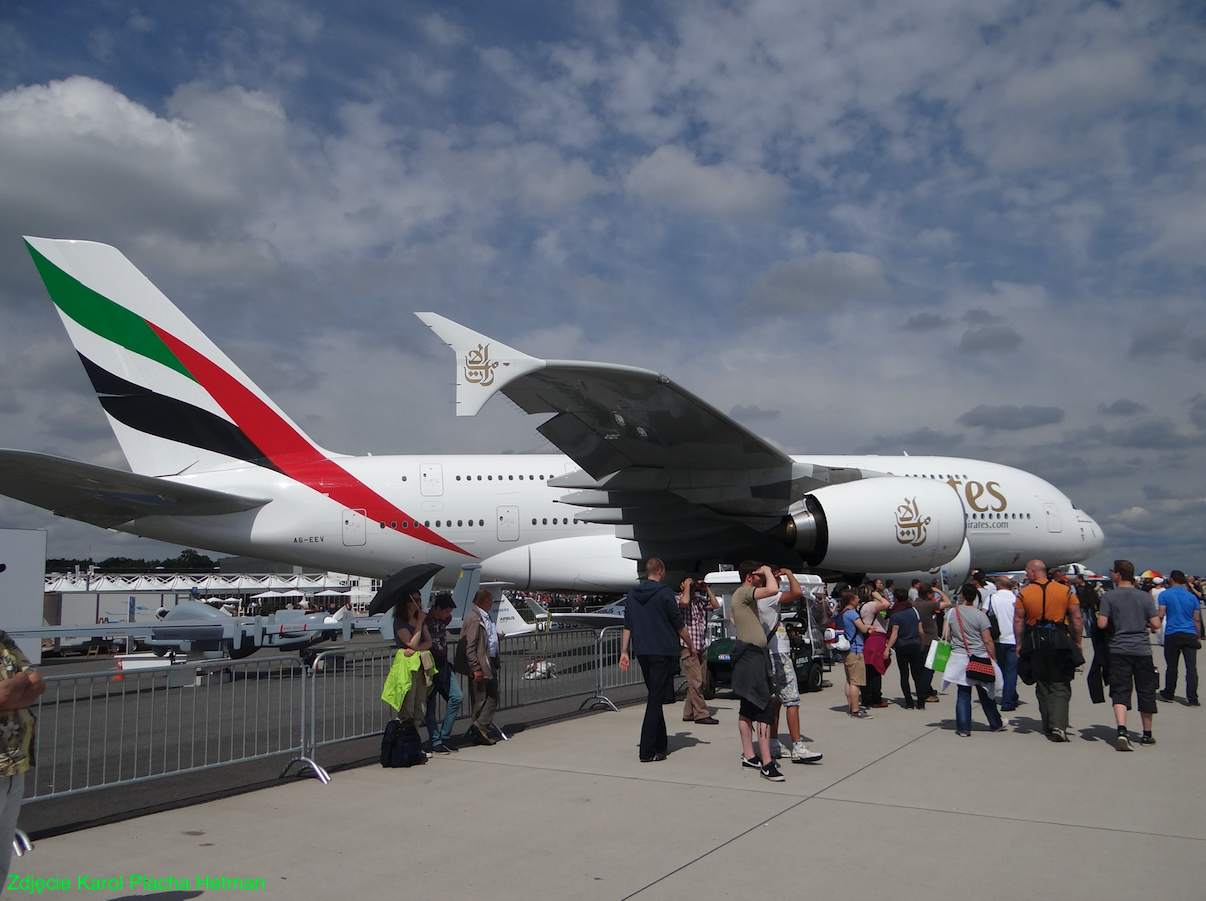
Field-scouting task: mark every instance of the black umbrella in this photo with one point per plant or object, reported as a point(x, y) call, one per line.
point(400, 585)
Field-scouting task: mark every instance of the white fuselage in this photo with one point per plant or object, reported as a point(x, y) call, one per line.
point(501, 511)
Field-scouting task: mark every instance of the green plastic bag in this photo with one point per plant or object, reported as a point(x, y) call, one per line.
point(939, 654)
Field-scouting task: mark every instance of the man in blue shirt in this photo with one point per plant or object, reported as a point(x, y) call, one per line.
point(1182, 615)
point(853, 662)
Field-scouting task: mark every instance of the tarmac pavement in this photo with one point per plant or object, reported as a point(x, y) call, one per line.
point(900, 807)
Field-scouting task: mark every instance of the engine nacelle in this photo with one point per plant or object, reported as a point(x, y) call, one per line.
point(884, 524)
point(585, 563)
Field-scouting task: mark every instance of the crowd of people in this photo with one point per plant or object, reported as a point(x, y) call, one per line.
point(997, 631)
point(991, 634)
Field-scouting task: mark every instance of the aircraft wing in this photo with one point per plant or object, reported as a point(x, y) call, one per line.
point(107, 497)
point(677, 477)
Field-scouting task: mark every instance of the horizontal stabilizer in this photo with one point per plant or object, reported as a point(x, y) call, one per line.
point(107, 497)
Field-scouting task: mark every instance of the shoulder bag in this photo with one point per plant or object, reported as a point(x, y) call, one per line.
point(979, 669)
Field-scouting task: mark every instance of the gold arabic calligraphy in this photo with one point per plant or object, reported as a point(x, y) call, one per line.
point(479, 368)
point(910, 527)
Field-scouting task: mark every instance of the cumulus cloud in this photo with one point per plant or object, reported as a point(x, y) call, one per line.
point(919, 441)
point(1197, 411)
point(753, 413)
point(926, 322)
point(79, 151)
point(1011, 418)
point(1168, 335)
point(1121, 407)
point(818, 283)
point(671, 178)
point(1152, 434)
point(990, 339)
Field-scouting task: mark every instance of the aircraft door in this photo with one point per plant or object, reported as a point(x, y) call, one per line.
point(508, 523)
point(431, 480)
point(1051, 512)
point(355, 527)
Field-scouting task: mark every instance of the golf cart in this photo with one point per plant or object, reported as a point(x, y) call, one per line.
point(802, 619)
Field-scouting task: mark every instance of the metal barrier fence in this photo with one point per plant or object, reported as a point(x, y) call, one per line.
point(102, 729)
point(98, 730)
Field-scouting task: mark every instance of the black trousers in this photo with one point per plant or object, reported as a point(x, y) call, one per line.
point(873, 692)
point(1176, 645)
point(911, 662)
point(658, 670)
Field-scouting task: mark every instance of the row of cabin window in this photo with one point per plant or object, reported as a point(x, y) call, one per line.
point(461, 523)
point(996, 516)
point(500, 478)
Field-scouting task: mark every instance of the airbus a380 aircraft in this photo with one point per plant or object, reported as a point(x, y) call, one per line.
point(649, 469)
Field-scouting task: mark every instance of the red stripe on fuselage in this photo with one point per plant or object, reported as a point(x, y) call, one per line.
point(291, 452)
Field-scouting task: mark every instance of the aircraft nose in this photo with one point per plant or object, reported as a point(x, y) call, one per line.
point(1093, 533)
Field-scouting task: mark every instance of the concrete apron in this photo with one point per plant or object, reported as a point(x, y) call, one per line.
point(899, 807)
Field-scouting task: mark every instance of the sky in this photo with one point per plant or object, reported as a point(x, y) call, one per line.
point(974, 228)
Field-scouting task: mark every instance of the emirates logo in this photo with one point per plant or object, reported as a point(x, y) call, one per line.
point(910, 527)
point(479, 368)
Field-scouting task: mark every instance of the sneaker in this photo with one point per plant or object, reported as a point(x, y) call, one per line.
point(1165, 696)
point(861, 714)
point(751, 763)
point(1123, 742)
point(801, 754)
point(440, 749)
point(772, 772)
point(777, 750)
point(1195, 703)
point(1057, 735)
point(1148, 739)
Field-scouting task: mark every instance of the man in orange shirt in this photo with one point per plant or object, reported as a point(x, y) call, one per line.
point(1044, 609)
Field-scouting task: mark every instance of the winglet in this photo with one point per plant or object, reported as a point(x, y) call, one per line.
point(483, 365)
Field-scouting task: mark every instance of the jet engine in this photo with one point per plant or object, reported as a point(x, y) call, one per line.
point(881, 524)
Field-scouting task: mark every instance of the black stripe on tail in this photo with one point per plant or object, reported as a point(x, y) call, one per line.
point(165, 417)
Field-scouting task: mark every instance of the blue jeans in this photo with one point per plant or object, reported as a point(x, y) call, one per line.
point(963, 708)
point(447, 686)
point(1007, 658)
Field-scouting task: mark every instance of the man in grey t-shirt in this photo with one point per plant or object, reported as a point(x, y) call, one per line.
point(1133, 614)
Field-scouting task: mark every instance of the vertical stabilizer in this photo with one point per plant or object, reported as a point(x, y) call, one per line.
point(174, 400)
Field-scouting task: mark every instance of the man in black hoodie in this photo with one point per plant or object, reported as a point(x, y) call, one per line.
point(654, 624)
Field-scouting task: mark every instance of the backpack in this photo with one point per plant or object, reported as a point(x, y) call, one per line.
point(401, 745)
point(994, 624)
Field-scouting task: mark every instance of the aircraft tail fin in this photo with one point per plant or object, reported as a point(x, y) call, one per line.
point(173, 399)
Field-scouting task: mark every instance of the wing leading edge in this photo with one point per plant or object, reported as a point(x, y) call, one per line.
point(107, 497)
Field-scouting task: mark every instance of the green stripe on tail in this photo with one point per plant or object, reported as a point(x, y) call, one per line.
point(102, 316)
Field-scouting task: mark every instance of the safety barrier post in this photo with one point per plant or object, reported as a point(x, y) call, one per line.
point(306, 757)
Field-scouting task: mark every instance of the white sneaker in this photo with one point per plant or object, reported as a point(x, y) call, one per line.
point(801, 754)
point(777, 750)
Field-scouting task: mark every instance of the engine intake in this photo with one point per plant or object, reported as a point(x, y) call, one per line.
point(884, 524)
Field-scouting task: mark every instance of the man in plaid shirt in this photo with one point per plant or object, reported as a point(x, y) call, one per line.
point(696, 603)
